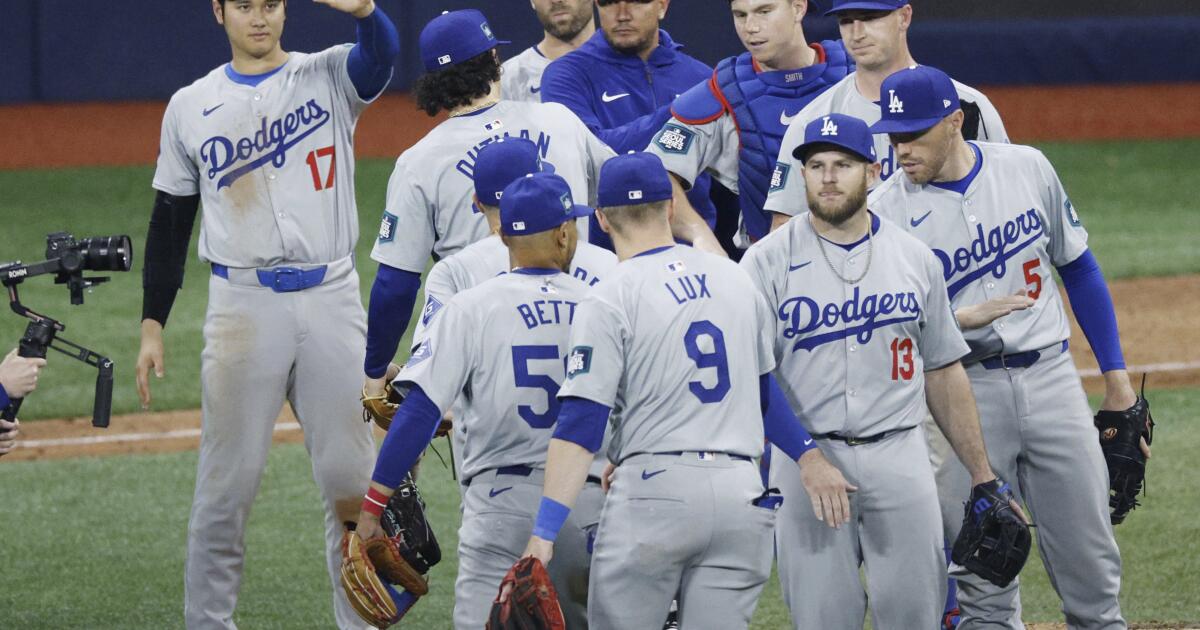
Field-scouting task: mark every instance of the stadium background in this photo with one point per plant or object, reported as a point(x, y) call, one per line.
point(92, 523)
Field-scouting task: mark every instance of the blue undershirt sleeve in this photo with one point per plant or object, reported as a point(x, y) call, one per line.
point(1093, 307)
point(781, 426)
point(392, 299)
point(582, 421)
point(411, 431)
point(371, 59)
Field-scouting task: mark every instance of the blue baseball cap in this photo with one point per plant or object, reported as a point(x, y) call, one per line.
point(633, 178)
point(502, 162)
point(454, 37)
point(915, 99)
point(865, 5)
point(847, 132)
point(537, 202)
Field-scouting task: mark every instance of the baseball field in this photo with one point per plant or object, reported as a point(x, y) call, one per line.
point(93, 522)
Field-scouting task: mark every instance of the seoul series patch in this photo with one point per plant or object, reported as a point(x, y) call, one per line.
point(423, 351)
point(387, 228)
point(779, 176)
point(579, 361)
point(674, 139)
point(432, 306)
point(1072, 216)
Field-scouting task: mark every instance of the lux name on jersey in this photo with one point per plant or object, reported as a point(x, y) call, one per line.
point(858, 316)
point(547, 312)
point(271, 142)
point(466, 166)
point(990, 251)
point(687, 288)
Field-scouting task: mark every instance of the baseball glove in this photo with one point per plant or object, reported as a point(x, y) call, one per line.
point(381, 409)
point(371, 598)
point(531, 605)
point(994, 540)
point(1120, 436)
point(409, 549)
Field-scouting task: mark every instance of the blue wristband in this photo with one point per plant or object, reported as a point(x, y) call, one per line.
point(550, 518)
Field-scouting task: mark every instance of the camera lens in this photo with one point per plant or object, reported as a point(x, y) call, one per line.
point(107, 253)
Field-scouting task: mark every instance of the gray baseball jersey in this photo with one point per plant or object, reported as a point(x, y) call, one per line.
point(713, 148)
point(486, 259)
point(429, 194)
point(786, 194)
point(521, 76)
point(1003, 233)
point(674, 342)
point(1014, 225)
point(273, 163)
point(501, 346)
point(852, 357)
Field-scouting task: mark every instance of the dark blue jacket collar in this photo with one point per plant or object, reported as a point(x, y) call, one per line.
point(663, 55)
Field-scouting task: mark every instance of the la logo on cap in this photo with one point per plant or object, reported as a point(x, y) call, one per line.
point(635, 195)
point(829, 128)
point(895, 105)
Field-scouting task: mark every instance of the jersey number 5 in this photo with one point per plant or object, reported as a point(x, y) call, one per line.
point(1033, 278)
point(312, 158)
point(714, 359)
point(522, 355)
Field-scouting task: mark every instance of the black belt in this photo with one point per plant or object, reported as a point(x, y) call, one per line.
point(854, 440)
point(522, 471)
point(1015, 360)
point(743, 458)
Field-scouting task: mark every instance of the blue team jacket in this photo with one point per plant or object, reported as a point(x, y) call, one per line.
point(625, 100)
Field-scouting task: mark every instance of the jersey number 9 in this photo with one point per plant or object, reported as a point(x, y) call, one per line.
point(714, 359)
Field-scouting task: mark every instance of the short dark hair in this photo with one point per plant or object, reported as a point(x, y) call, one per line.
point(625, 219)
point(457, 85)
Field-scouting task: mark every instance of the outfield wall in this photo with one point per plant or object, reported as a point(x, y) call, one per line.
point(73, 50)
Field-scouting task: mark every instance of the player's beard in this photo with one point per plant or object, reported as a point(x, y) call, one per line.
point(635, 48)
point(572, 28)
point(836, 213)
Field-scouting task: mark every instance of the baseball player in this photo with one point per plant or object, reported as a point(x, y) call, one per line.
point(671, 346)
point(429, 195)
point(266, 143)
point(732, 125)
point(566, 25)
point(998, 219)
point(502, 344)
point(865, 339)
point(621, 83)
point(875, 33)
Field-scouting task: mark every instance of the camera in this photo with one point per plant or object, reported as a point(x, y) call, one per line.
point(97, 253)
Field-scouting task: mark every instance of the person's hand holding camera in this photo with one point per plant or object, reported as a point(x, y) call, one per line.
point(18, 377)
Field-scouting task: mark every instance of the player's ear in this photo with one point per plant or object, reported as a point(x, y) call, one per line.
point(662, 11)
point(956, 122)
point(219, 11)
point(671, 210)
point(603, 221)
point(801, 8)
point(906, 13)
point(873, 171)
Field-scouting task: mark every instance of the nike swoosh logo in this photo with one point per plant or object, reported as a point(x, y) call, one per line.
point(786, 120)
point(800, 266)
point(209, 111)
point(494, 492)
point(608, 99)
point(808, 441)
point(535, 90)
point(916, 222)
point(647, 475)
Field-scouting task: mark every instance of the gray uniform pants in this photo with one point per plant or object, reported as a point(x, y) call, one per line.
point(262, 348)
point(498, 514)
point(680, 524)
point(1039, 434)
point(893, 534)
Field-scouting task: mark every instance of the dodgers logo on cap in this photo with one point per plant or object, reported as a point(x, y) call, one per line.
point(837, 131)
point(918, 97)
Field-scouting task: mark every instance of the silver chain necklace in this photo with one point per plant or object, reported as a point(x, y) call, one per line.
point(870, 250)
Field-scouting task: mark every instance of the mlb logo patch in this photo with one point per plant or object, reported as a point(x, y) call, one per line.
point(518, 226)
point(494, 125)
point(779, 176)
point(443, 60)
point(432, 306)
point(676, 267)
point(674, 139)
point(634, 195)
point(387, 228)
point(423, 351)
point(579, 361)
point(548, 289)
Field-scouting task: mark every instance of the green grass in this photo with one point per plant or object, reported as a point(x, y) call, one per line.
point(1126, 192)
point(99, 542)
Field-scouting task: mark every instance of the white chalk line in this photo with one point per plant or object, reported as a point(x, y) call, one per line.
point(1150, 368)
point(133, 437)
